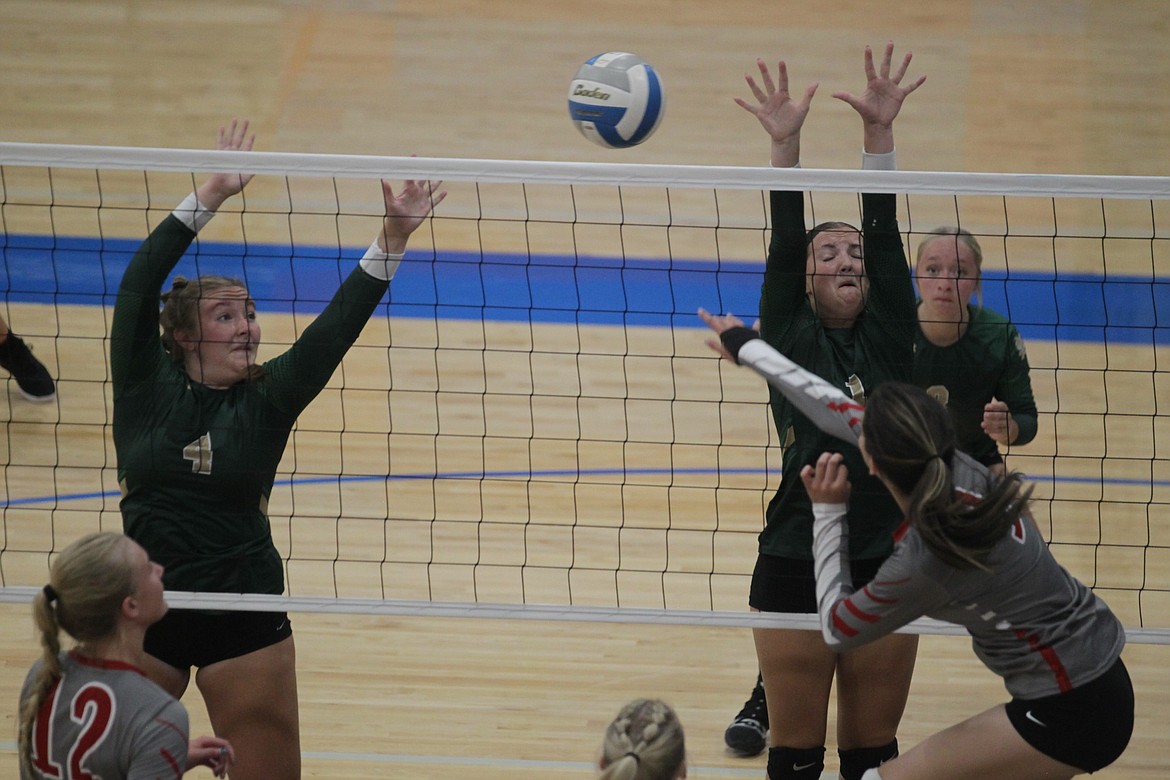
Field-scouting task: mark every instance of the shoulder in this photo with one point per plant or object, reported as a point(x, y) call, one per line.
point(914, 564)
point(991, 323)
point(992, 328)
point(972, 479)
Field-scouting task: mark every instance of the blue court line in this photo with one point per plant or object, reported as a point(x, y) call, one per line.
point(587, 290)
point(524, 474)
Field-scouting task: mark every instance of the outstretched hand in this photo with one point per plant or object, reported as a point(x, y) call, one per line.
point(221, 186)
point(406, 210)
point(776, 110)
point(884, 93)
point(719, 323)
point(827, 482)
point(214, 753)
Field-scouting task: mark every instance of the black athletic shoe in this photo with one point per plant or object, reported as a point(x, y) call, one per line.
point(30, 374)
point(748, 733)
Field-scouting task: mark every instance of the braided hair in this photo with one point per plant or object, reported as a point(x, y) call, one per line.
point(644, 742)
point(87, 584)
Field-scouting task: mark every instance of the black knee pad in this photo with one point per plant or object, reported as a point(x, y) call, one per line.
point(855, 762)
point(786, 763)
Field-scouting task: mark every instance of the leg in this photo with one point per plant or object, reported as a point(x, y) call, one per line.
point(800, 664)
point(986, 745)
point(873, 683)
point(252, 701)
point(173, 681)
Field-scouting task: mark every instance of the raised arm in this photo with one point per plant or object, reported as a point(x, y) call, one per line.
point(300, 373)
point(779, 114)
point(891, 299)
point(879, 105)
point(823, 403)
point(220, 186)
point(136, 351)
point(782, 118)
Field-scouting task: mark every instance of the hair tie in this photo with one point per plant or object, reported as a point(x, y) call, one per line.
point(636, 757)
point(50, 594)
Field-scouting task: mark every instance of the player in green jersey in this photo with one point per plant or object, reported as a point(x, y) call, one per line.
point(200, 427)
point(970, 359)
point(839, 301)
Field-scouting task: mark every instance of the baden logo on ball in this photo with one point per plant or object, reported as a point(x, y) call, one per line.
point(616, 100)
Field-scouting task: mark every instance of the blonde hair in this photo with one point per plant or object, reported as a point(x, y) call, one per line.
point(87, 584)
point(644, 742)
point(959, 236)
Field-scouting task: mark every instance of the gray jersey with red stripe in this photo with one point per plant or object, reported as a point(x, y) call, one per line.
point(106, 719)
point(1030, 621)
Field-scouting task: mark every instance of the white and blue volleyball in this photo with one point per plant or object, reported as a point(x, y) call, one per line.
point(616, 100)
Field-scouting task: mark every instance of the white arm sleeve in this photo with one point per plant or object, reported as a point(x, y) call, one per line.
point(379, 264)
point(885, 161)
point(831, 563)
point(824, 404)
point(192, 213)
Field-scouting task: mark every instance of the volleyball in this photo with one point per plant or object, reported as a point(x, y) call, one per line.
point(616, 100)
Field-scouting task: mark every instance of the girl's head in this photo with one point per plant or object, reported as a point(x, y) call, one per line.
point(908, 440)
point(835, 279)
point(92, 579)
point(97, 585)
point(644, 742)
point(209, 328)
point(906, 435)
point(948, 269)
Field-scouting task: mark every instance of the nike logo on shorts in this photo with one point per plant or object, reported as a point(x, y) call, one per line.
point(802, 767)
point(1034, 719)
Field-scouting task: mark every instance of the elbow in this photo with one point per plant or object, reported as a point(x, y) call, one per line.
point(831, 639)
point(839, 640)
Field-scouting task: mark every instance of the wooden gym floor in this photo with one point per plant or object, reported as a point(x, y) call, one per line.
point(1053, 86)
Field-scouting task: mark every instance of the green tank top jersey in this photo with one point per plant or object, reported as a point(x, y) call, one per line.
point(988, 362)
point(196, 464)
point(878, 348)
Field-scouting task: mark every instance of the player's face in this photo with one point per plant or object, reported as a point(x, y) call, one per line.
point(229, 336)
point(148, 585)
point(947, 278)
point(835, 277)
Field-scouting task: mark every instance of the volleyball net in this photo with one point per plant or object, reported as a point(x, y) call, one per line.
point(532, 425)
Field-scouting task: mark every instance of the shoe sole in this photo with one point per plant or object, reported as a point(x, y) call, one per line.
point(38, 399)
point(749, 746)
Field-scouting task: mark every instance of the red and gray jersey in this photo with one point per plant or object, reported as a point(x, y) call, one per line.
point(106, 719)
point(1030, 621)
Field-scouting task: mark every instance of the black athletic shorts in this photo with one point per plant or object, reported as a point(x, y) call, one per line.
point(188, 637)
point(1087, 727)
point(790, 585)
